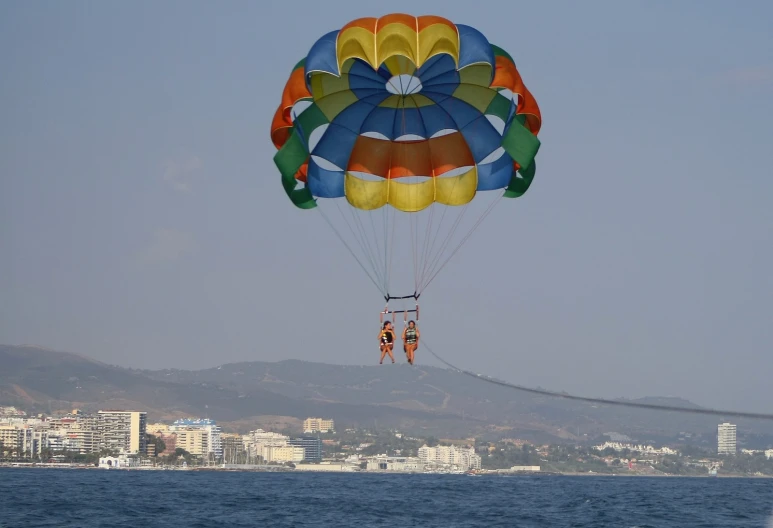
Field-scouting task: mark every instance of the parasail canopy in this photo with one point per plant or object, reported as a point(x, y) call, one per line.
point(397, 123)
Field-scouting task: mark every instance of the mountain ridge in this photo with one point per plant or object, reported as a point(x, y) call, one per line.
point(420, 399)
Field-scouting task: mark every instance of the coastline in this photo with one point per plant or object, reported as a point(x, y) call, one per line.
point(280, 469)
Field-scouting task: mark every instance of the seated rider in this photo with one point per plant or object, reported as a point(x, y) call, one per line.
point(410, 340)
point(386, 337)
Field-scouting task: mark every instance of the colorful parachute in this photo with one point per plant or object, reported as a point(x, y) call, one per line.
point(416, 113)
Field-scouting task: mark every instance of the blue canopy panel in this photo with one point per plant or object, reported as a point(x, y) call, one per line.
point(355, 116)
point(435, 67)
point(481, 137)
point(495, 175)
point(324, 183)
point(336, 145)
point(474, 48)
point(322, 56)
point(435, 119)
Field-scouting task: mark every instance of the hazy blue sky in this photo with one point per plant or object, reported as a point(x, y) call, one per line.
point(142, 221)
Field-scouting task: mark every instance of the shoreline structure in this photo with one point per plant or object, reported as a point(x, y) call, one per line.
point(339, 468)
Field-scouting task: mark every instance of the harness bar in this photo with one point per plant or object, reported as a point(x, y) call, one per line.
point(405, 313)
point(414, 296)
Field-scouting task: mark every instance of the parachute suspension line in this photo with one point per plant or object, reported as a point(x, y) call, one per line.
point(392, 247)
point(429, 267)
point(429, 239)
point(338, 234)
point(363, 241)
point(417, 247)
point(433, 256)
point(412, 222)
point(603, 401)
point(377, 252)
point(385, 228)
point(488, 210)
point(425, 246)
point(358, 237)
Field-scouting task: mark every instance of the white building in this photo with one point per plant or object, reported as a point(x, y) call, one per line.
point(647, 449)
point(121, 461)
point(268, 445)
point(464, 458)
point(726, 439)
point(386, 463)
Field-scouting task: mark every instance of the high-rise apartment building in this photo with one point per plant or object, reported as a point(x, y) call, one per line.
point(202, 434)
point(83, 435)
point(193, 440)
point(122, 431)
point(12, 440)
point(726, 439)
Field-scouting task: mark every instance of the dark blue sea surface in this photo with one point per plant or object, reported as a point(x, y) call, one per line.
point(100, 498)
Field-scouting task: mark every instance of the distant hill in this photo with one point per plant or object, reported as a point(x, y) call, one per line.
point(421, 400)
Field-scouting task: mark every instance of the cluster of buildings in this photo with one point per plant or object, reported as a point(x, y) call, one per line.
point(431, 459)
point(125, 433)
point(727, 445)
point(204, 438)
point(118, 435)
point(198, 436)
point(268, 447)
point(644, 449)
point(114, 430)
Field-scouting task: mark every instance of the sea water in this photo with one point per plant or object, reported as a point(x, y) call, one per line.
point(91, 498)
